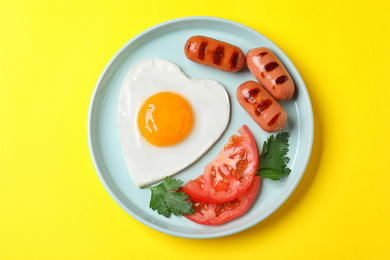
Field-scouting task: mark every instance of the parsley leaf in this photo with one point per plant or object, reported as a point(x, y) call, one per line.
point(166, 200)
point(273, 160)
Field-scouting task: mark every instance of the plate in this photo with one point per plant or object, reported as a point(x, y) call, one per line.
point(166, 41)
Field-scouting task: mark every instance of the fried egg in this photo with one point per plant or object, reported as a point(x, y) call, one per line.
point(166, 120)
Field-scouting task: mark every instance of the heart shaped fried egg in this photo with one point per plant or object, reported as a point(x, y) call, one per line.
point(166, 120)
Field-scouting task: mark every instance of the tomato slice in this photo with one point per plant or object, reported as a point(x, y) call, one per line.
point(229, 174)
point(215, 214)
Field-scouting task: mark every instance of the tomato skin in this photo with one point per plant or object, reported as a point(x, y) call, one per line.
point(231, 172)
point(213, 215)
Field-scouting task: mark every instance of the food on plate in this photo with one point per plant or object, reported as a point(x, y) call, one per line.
point(273, 159)
point(229, 174)
point(165, 119)
point(166, 198)
point(148, 156)
point(261, 106)
point(214, 53)
point(215, 214)
point(270, 72)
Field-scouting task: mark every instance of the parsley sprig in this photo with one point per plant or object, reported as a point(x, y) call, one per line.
point(273, 160)
point(166, 200)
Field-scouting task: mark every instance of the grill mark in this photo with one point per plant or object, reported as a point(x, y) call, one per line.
point(262, 54)
point(264, 104)
point(234, 60)
point(218, 55)
point(262, 74)
point(251, 94)
point(202, 50)
point(259, 108)
point(274, 119)
point(281, 79)
point(271, 66)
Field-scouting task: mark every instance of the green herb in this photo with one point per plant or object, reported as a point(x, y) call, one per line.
point(166, 200)
point(273, 160)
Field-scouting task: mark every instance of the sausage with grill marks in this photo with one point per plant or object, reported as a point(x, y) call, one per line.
point(261, 106)
point(270, 72)
point(214, 53)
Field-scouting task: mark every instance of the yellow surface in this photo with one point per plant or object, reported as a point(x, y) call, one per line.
point(52, 203)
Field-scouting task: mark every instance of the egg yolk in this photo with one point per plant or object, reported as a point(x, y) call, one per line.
point(165, 119)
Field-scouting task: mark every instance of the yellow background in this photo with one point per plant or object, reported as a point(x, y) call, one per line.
point(53, 205)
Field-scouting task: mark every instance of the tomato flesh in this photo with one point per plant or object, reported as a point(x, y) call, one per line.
point(215, 214)
point(231, 172)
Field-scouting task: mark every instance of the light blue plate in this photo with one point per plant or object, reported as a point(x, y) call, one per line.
point(167, 41)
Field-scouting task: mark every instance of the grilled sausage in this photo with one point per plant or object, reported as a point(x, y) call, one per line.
point(270, 72)
point(214, 53)
point(261, 106)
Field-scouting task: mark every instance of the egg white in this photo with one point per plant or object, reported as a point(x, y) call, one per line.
point(210, 103)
